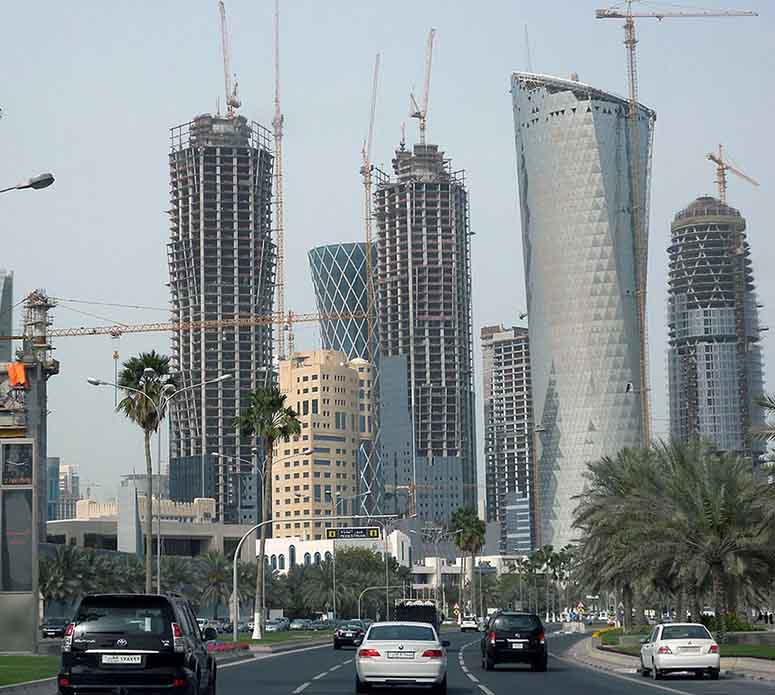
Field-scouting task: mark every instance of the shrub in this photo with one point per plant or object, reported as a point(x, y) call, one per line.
point(732, 623)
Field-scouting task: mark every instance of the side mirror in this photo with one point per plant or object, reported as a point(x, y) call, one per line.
point(210, 634)
point(445, 643)
point(644, 640)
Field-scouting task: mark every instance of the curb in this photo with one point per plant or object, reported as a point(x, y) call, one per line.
point(289, 646)
point(44, 686)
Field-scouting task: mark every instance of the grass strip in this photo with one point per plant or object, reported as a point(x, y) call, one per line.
point(18, 669)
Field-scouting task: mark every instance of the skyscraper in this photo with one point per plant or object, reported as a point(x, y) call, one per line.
point(221, 264)
point(579, 255)
point(6, 314)
point(424, 316)
point(714, 357)
point(508, 433)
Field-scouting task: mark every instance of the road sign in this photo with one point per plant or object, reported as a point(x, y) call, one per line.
point(353, 533)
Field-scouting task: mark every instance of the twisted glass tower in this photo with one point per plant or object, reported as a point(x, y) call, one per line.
point(576, 211)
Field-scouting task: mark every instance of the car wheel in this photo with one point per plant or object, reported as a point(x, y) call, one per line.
point(489, 664)
point(360, 686)
point(441, 688)
point(714, 674)
point(337, 645)
point(540, 665)
point(643, 670)
point(210, 690)
point(656, 674)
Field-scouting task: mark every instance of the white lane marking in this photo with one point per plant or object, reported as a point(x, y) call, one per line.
point(260, 657)
point(611, 674)
point(319, 676)
point(473, 678)
point(486, 690)
point(302, 687)
point(349, 661)
point(334, 668)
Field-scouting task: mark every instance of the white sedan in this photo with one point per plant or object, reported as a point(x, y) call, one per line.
point(401, 653)
point(469, 622)
point(674, 647)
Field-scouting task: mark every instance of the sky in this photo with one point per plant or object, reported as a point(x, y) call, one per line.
point(91, 88)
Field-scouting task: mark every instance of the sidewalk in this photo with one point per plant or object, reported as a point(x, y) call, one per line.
point(588, 653)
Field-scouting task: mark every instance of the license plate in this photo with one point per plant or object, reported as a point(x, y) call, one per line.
point(122, 659)
point(348, 634)
point(689, 650)
point(517, 645)
point(400, 655)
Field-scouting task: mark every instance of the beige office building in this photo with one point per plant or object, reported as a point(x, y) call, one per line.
point(316, 475)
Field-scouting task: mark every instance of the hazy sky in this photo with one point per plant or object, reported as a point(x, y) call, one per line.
point(90, 89)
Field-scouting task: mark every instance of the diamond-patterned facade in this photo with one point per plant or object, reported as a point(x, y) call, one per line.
point(574, 183)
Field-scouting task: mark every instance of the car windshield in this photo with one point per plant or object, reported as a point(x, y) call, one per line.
point(352, 626)
point(125, 615)
point(515, 623)
point(389, 633)
point(685, 632)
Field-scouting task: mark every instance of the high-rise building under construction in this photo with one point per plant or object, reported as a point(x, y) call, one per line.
point(714, 356)
point(576, 200)
point(424, 317)
point(221, 266)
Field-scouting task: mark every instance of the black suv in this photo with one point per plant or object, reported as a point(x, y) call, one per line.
point(514, 638)
point(124, 643)
point(350, 633)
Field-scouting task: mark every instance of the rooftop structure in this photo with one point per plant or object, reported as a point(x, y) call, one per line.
point(221, 266)
point(579, 248)
point(714, 355)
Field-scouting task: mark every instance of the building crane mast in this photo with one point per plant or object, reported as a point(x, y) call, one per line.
point(637, 188)
point(277, 127)
point(722, 166)
point(232, 100)
point(417, 111)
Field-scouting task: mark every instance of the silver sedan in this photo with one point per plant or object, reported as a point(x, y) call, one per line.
point(401, 653)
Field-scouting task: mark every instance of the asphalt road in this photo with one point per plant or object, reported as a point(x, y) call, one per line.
point(323, 671)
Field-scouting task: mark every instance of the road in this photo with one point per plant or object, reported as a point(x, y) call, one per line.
point(323, 671)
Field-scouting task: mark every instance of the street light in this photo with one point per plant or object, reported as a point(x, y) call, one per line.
point(164, 401)
point(36, 182)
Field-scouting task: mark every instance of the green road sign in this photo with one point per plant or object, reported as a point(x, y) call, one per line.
point(353, 533)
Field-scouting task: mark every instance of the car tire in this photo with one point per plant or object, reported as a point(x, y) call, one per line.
point(360, 686)
point(489, 664)
point(337, 645)
point(656, 674)
point(643, 670)
point(211, 687)
point(714, 673)
point(441, 688)
point(540, 665)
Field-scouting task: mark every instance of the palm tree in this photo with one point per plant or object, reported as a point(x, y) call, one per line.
point(176, 574)
point(143, 379)
point(317, 590)
point(61, 578)
point(470, 539)
point(215, 580)
point(266, 418)
point(767, 432)
point(129, 575)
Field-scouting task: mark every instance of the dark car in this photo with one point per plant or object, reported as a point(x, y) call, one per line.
point(54, 627)
point(124, 643)
point(514, 638)
point(349, 634)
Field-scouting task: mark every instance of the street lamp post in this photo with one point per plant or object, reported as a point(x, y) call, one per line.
point(35, 183)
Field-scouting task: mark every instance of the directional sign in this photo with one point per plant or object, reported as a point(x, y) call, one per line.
point(353, 533)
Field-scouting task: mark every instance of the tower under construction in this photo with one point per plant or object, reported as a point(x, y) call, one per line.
point(221, 266)
point(424, 316)
point(714, 355)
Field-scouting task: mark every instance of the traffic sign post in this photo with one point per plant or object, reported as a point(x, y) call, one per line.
point(353, 533)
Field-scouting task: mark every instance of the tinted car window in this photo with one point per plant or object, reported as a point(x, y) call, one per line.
point(414, 633)
point(124, 615)
point(515, 623)
point(685, 632)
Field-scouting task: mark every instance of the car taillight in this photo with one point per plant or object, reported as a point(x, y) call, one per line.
point(179, 683)
point(433, 653)
point(541, 637)
point(664, 650)
point(67, 642)
point(64, 682)
point(713, 649)
point(368, 652)
point(491, 637)
point(177, 638)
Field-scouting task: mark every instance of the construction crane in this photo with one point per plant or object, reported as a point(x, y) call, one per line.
point(277, 171)
point(722, 166)
point(232, 100)
point(417, 111)
point(640, 240)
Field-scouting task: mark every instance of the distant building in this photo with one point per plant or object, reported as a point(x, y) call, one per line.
point(714, 355)
point(508, 429)
point(221, 261)
point(316, 474)
point(576, 197)
point(161, 483)
point(69, 490)
point(6, 314)
point(424, 316)
point(52, 488)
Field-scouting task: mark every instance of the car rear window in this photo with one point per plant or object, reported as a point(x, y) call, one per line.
point(515, 623)
point(685, 632)
point(414, 633)
point(125, 615)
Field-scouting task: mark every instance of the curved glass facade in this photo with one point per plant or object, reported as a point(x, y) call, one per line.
point(339, 279)
point(574, 185)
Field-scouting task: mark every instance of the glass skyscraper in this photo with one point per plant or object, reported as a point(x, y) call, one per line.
point(714, 356)
point(575, 198)
point(6, 315)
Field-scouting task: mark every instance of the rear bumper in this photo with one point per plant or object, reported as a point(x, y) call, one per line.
point(402, 673)
point(123, 683)
point(674, 662)
point(348, 641)
point(516, 656)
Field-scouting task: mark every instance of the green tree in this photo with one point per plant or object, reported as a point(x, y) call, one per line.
point(144, 379)
point(215, 580)
point(767, 432)
point(61, 577)
point(129, 574)
point(470, 539)
point(266, 418)
point(177, 575)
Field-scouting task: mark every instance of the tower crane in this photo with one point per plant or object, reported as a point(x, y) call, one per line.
point(421, 111)
point(637, 189)
point(277, 127)
point(232, 100)
point(722, 166)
